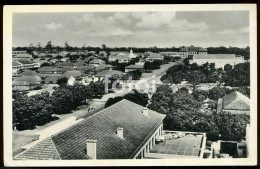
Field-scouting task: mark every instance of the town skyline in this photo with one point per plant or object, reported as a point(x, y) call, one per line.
point(133, 29)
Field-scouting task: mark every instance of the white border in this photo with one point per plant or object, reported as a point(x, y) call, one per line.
point(7, 35)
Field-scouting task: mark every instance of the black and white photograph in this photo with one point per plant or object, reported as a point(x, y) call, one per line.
point(130, 85)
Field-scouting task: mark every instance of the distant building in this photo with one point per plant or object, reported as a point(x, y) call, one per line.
point(16, 52)
point(101, 75)
point(75, 73)
point(134, 68)
point(22, 56)
point(171, 54)
point(96, 62)
point(104, 67)
point(220, 60)
point(234, 103)
point(191, 51)
point(122, 58)
point(124, 130)
point(71, 81)
point(48, 70)
point(20, 86)
point(154, 57)
point(24, 64)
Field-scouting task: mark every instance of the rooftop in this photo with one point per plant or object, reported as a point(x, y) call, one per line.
point(108, 73)
point(134, 67)
point(179, 144)
point(234, 102)
point(71, 142)
point(215, 56)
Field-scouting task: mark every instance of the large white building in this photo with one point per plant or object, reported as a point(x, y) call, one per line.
point(220, 60)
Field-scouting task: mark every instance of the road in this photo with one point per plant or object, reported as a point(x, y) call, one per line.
point(27, 136)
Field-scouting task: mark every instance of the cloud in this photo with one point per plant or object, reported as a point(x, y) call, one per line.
point(52, 26)
point(244, 30)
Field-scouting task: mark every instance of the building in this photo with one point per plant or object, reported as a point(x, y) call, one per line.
point(178, 144)
point(104, 67)
point(75, 73)
point(52, 79)
point(191, 51)
point(16, 52)
point(220, 60)
point(22, 56)
point(71, 81)
point(134, 68)
point(96, 62)
point(20, 86)
point(31, 79)
point(153, 57)
point(101, 75)
point(234, 103)
point(24, 64)
point(48, 70)
point(122, 58)
point(124, 130)
point(132, 55)
point(171, 54)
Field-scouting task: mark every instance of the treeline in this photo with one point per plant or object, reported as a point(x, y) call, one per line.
point(207, 73)
point(134, 96)
point(231, 50)
point(184, 113)
point(211, 50)
point(37, 110)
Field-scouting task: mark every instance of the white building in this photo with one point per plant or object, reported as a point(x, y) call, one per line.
point(220, 60)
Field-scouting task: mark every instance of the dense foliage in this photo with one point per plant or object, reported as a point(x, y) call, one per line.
point(207, 73)
point(28, 112)
point(183, 113)
point(134, 96)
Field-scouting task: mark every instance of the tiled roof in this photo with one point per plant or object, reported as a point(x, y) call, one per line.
point(15, 63)
point(54, 79)
point(155, 55)
point(33, 78)
point(214, 56)
point(101, 67)
point(74, 73)
point(71, 142)
point(28, 72)
point(44, 150)
point(24, 61)
point(64, 64)
point(236, 101)
point(134, 67)
point(119, 57)
point(109, 73)
point(20, 83)
point(97, 61)
point(23, 55)
point(47, 69)
point(102, 126)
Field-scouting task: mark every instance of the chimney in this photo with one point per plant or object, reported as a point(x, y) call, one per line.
point(145, 111)
point(120, 132)
point(91, 149)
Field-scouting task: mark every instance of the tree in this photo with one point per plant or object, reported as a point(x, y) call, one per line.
point(104, 46)
point(136, 74)
point(112, 101)
point(49, 46)
point(62, 81)
point(218, 92)
point(133, 96)
point(227, 67)
point(195, 78)
point(232, 127)
point(138, 98)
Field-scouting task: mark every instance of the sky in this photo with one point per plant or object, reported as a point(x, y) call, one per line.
point(133, 29)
